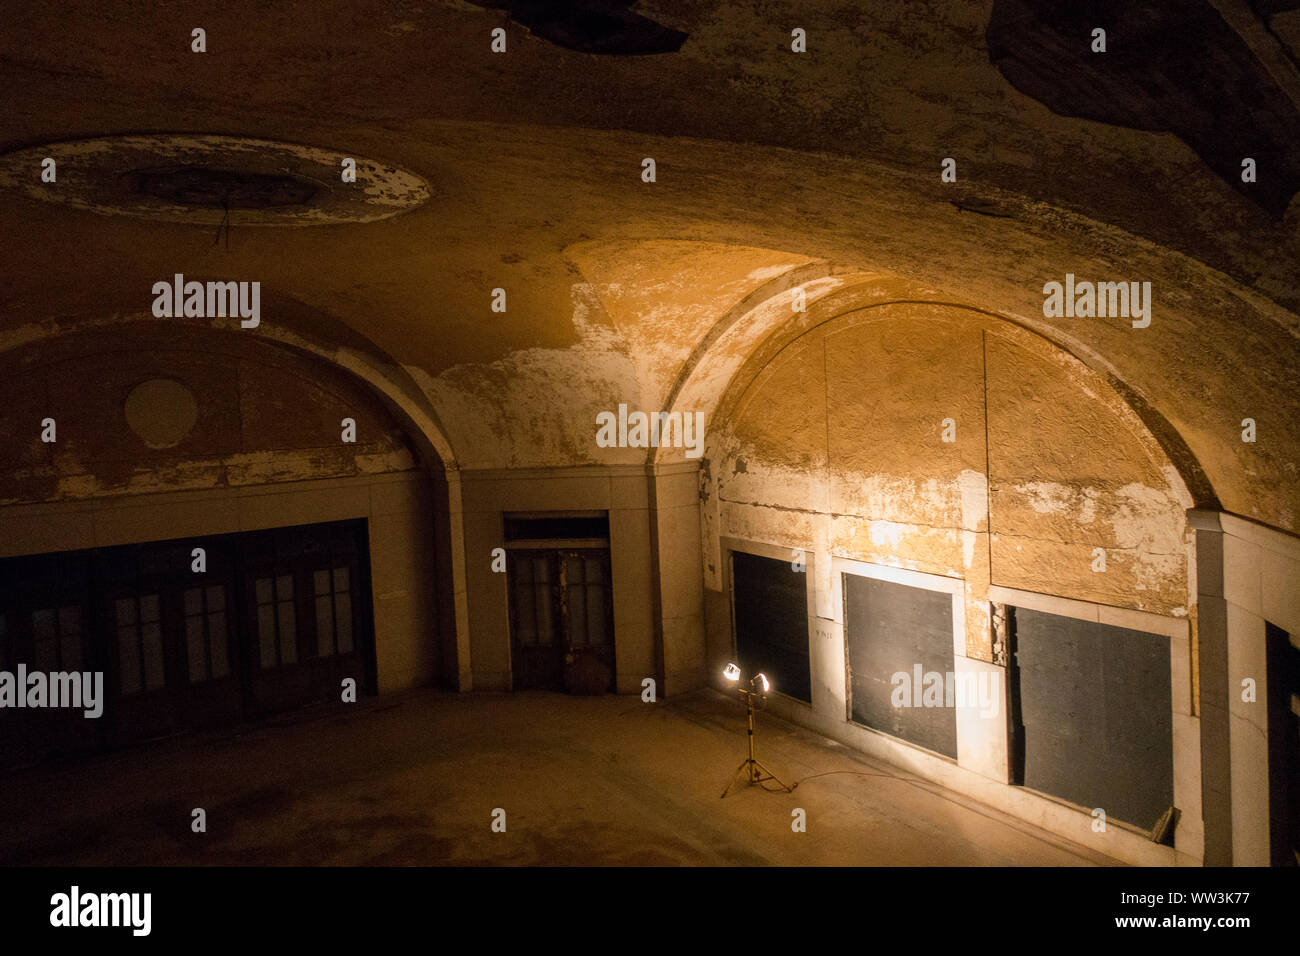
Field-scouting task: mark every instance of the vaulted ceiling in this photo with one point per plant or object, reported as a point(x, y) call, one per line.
point(822, 166)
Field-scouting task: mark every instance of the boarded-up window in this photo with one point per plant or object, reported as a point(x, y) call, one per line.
point(898, 635)
point(772, 623)
point(1091, 708)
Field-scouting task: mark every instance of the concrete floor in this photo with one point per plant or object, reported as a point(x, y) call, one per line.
point(414, 779)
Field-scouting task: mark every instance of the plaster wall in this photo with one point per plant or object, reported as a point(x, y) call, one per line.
point(834, 447)
point(837, 446)
point(264, 449)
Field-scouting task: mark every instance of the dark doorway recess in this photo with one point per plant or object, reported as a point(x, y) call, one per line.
point(550, 527)
point(1283, 746)
point(1091, 719)
point(561, 620)
point(771, 614)
point(277, 621)
point(890, 629)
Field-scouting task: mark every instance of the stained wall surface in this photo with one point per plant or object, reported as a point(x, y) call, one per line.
point(241, 436)
point(167, 408)
point(939, 447)
point(838, 446)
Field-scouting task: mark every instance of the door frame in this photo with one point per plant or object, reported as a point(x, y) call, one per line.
point(558, 549)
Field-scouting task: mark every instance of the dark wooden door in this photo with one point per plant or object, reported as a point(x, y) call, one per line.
point(337, 627)
point(274, 678)
point(208, 633)
point(170, 637)
point(305, 629)
point(274, 620)
point(561, 620)
point(535, 622)
point(45, 626)
point(587, 608)
point(1283, 668)
point(138, 607)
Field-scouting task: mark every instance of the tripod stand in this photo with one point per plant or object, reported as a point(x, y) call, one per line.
point(750, 767)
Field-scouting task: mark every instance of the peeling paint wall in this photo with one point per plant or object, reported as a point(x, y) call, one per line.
point(258, 415)
point(836, 446)
point(645, 307)
point(259, 448)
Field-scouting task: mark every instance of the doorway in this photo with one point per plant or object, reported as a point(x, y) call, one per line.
point(1283, 672)
point(275, 620)
point(561, 619)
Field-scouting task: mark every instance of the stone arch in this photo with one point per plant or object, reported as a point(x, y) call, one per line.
point(727, 346)
point(784, 461)
point(167, 408)
point(271, 407)
point(329, 341)
point(757, 328)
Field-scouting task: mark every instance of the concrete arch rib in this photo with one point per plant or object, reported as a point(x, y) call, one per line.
point(730, 342)
point(756, 330)
point(336, 345)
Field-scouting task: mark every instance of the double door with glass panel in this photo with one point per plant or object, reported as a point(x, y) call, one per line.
point(275, 620)
point(561, 619)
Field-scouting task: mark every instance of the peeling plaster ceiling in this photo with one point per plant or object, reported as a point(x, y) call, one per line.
point(766, 160)
point(1175, 67)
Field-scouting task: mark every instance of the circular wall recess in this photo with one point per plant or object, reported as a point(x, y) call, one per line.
point(201, 179)
point(161, 411)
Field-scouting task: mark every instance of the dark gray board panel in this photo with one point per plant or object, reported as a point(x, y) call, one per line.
point(1094, 702)
point(772, 622)
point(891, 628)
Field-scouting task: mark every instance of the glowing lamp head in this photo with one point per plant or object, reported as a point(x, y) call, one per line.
point(731, 672)
point(763, 682)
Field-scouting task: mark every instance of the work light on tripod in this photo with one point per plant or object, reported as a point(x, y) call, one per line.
point(754, 772)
